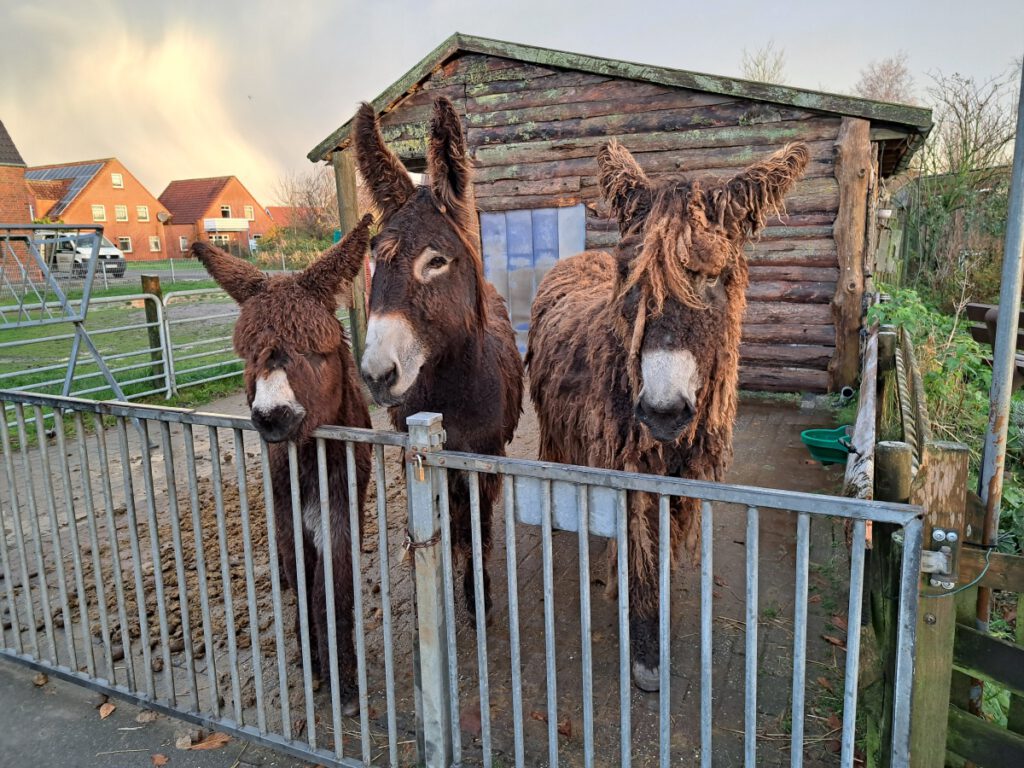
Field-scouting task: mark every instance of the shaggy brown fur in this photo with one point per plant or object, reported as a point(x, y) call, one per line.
point(678, 273)
point(472, 373)
point(288, 323)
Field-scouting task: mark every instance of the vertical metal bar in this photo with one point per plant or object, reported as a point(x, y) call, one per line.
point(44, 590)
point(906, 637)
point(58, 548)
point(275, 591)
point(750, 709)
point(622, 553)
point(188, 438)
point(132, 524)
point(327, 558)
point(481, 619)
point(426, 432)
point(115, 556)
point(549, 621)
point(8, 571)
point(158, 571)
point(225, 574)
point(448, 572)
point(853, 643)
point(385, 603)
point(355, 514)
point(179, 563)
point(256, 651)
point(803, 548)
point(512, 569)
point(664, 621)
point(85, 626)
point(19, 536)
point(707, 586)
point(302, 605)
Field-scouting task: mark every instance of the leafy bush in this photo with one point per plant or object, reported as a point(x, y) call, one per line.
point(957, 380)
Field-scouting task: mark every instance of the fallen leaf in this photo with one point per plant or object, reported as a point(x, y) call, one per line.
point(814, 599)
point(40, 680)
point(565, 727)
point(719, 581)
point(183, 742)
point(834, 641)
point(839, 622)
point(158, 759)
point(541, 716)
point(834, 722)
point(106, 710)
point(825, 683)
point(470, 721)
point(146, 716)
point(215, 740)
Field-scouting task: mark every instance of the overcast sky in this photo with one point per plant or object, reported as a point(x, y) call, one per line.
point(194, 88)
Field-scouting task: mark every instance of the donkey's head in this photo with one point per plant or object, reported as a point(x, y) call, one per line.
point(427, 297)
point(681, 272)
point(289, 336)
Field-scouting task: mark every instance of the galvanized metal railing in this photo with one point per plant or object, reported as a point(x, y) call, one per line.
point(110, 583)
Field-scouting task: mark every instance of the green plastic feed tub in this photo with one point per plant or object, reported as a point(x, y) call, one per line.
point(829, 446)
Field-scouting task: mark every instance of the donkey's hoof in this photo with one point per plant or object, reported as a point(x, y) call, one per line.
point(646, 678)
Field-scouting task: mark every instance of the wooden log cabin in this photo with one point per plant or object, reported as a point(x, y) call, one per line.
point(535, 119)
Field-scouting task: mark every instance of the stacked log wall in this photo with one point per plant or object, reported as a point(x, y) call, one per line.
point(534, 134)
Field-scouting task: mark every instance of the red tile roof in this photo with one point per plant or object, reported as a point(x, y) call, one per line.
point(48, 189)
point(188, 199)
point(286, 215)
point(9, 154)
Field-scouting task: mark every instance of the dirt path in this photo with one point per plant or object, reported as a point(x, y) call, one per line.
point(768, 454)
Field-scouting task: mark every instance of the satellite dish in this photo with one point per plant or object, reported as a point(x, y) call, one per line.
point(163, 217)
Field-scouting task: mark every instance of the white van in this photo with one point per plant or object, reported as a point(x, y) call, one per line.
point(70, 252)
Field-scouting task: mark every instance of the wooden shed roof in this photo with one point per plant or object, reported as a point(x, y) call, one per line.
point(902, 127)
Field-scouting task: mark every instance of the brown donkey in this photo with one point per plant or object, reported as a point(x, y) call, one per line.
point(300, 375)
point(439, 337)
point(633, 355)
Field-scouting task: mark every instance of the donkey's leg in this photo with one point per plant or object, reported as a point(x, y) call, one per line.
point(343, 617)
point(314, 606)
point(642, 559)
point(462, 536)
point(289, 575)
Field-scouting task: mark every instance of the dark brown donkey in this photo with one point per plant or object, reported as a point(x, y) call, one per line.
point(634, 354)
point(439, 337)
point(300, 375)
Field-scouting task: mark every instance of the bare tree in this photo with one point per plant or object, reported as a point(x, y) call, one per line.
point(313, 198)
point(887, 79)
point(765, 65)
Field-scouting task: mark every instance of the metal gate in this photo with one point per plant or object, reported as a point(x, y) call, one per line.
point(143, 562)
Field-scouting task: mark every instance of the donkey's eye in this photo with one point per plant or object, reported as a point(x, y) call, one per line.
point(437, 262)
point(430, 264)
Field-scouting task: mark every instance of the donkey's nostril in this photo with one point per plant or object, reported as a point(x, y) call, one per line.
point(390, 378)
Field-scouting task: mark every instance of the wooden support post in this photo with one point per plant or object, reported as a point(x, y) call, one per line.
point(344, 163)
point(941, 488)
point(151, 284)
point(852, 151)
point(893, 478)
point(1015, 717)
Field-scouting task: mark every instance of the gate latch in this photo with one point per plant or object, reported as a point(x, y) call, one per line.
point(942, 563)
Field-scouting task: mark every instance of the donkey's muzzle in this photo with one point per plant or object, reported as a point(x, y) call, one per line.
point(382, 387)
point(277, 424)
point(665, 423)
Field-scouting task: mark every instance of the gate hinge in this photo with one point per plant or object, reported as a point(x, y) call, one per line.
point(942, 563)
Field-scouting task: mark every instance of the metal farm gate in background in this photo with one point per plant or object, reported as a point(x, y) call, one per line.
point(143, 562)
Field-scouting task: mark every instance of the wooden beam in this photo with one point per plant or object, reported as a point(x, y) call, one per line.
point(1005, 572)
point(853, 171)
point(983, 655)
point(859, 481)
point(981, 742)
point(940, 488)
point(348, 212)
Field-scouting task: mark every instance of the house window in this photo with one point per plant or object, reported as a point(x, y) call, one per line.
point(154, 244)
point(120, 213)
point(125, 244)
point(225, 211)
point(219, 239)
point(142, 212)
point(183, 244)
point(117, 181)
point(249, 213)
point(99, 213)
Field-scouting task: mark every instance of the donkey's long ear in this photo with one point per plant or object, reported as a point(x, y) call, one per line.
point(623, 184)
point(447, 163)
point(390, 185)
point(744, 203)
point(339, 265)
point(239, 278)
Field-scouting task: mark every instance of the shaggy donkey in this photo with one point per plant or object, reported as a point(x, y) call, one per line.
point(300, 375)
point(633, 355)
point(439, 336)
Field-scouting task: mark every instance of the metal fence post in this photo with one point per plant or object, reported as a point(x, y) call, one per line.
point(426, 435)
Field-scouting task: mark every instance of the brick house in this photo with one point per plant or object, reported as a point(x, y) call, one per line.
point(15, 200)
point(102, 192)
point(218, 210)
